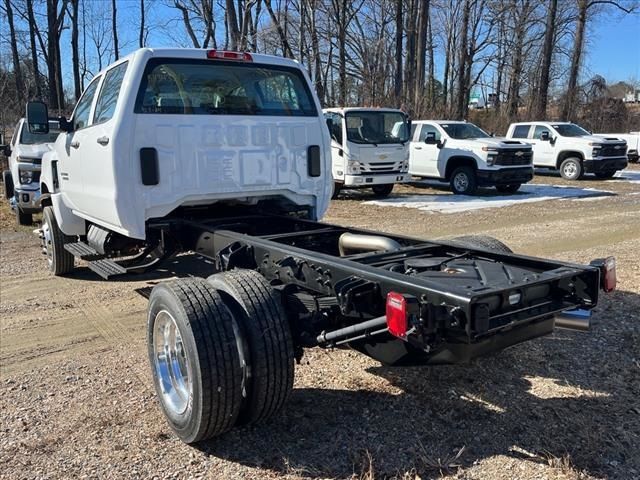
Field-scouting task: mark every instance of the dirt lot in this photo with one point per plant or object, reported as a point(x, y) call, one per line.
point(76, 398)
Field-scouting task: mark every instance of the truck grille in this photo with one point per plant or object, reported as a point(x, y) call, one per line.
point(616, 150)
point(381, 167)
point(514, 157)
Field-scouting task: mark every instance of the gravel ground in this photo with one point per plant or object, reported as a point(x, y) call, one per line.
point(76, 398)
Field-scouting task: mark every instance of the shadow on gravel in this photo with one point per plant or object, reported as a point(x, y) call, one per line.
point(580, 413)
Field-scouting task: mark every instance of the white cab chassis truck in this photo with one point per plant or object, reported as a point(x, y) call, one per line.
point(467, 157)
point(226, 154)
point(633, 143)
point(368, 148)
point(22, 180)
point(570, 149)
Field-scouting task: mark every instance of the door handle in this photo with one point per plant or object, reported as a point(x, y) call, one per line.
point(418, 148)
point(103, 140)
point(75, 144)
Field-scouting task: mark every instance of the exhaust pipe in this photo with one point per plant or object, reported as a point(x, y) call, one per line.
point(578, 320)
point(352, 242)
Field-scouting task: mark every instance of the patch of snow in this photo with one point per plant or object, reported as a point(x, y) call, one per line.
point(632, 176)
point(450, 203)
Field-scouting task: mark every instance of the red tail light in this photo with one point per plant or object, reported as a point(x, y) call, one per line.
point(228, 55)
point(397, 322)
point(609, 274)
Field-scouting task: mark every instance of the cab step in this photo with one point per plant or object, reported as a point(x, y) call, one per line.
point(107, 268)
point(83, 251)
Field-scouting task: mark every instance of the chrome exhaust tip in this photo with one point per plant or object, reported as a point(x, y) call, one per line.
point(577, 320)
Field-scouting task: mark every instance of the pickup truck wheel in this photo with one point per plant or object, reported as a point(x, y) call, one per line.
point(337, 187)
point(463, 181)
point(508, 188)
point(23, 218)
point(7, 181)
point(606, 174)
point(382, 191)
point(571, 169)
point(53, 240)
point(482, 241)
point(194, 358)
point(265, 328)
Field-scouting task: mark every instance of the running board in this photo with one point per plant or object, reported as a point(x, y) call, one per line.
point(83, 251)
point(107, 268)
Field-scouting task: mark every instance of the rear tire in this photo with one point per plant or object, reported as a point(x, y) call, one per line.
point(463, 181)
point(508, 188)
point(482, 241)
point(257, 309)
point(7, 181)
point(194, 359)
point(607, 174)
point(337, 187)
point(571, 169)
point(23, 218)
point(53, 240)
point(382, 191)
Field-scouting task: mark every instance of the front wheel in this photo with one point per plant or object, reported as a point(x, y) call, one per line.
point(382, 190)
point(463, 181)
point(7, 181)
point(606, 174)
point(337, 187)
point(508, 188)
point(60, 261)
point(23, 218)
point(571, 169)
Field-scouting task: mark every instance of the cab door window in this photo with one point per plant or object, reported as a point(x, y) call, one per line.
point(537, 132)
point(106, 105)
point(428, 129)
point(83, 108)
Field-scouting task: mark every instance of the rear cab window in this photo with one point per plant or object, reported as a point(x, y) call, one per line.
point(206, 87)
point(521, 131)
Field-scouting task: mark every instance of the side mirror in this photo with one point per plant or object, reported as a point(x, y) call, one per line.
point(544, 136)
point(441, 143)
point(37, 117)
point(65, 125)
point(430, 139)
point(6, 150)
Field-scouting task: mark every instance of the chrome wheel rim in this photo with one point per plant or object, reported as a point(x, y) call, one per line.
point(170, 363)
point(461, 182)
point(570, 169)
point(47, 245)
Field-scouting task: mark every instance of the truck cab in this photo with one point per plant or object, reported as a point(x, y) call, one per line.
point(571, 149)
point(468, 157)
point(22, 180)
point(369, 148)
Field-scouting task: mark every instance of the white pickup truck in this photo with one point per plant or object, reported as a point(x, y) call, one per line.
point(633, 143)
point(467, 157)
point(368, 148)
point(22, 180)
point(571, 149)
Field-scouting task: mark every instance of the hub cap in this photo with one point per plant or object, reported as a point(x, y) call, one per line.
point(45, 236)
point(170, 363)
point(570, 169)
point(461, 182)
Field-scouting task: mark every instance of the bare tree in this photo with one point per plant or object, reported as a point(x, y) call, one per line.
point(17, 70)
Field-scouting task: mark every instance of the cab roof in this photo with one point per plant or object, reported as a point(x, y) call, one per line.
point(361, 109)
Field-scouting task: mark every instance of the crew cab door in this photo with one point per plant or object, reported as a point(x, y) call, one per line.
point(423, 157)
point(543, 150)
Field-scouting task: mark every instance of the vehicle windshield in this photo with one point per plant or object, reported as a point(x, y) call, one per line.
point(28, 138)
point(213, 87)
point(375, 127)
point(463, 131)
point(570, 130)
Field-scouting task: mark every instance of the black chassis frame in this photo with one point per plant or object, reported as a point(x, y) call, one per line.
point(333, 300)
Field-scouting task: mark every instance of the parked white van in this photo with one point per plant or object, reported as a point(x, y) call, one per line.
point(369, 148)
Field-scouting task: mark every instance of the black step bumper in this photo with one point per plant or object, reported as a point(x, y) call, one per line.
point(504, 176)
point(594, 166)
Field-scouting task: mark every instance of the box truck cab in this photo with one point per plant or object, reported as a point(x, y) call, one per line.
point(369, 148)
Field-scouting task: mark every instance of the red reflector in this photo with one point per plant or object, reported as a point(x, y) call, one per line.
point(228, 55)
point(609, 272)
point(397, 314)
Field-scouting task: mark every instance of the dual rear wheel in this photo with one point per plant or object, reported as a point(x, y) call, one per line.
point(221, 352)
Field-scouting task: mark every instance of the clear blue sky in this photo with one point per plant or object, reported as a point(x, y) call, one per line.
point(614, 49)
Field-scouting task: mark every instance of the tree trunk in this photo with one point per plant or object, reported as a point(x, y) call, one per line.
point(77, 87)
point(17, 70)
point(397, 88)
point(570, 97)
point(315, 50)
point(114, 23)
point(141, 34)
point(431, 92)
point(232, 25)
point(286, 48)
point(421, 53)
point(55, 20)
point(410, 65)
point(34, 53)
point(462, 100)
point(520, 15)
point(540, 108)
